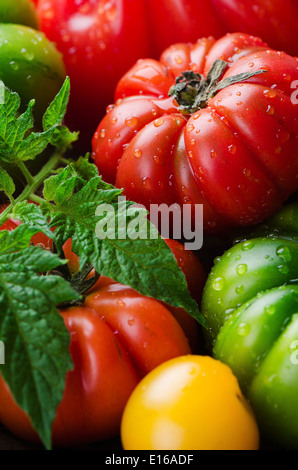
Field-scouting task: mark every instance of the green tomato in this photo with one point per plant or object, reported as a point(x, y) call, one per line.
point(30, 65)
point(250, 303)
point(18, 12)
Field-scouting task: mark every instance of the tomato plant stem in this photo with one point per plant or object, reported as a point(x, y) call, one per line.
point(26, 172)
point(32, 187)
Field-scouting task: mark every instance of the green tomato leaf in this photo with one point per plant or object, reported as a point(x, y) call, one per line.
point(33, 332)
point(84, 169)
point(6, 183)
point(63, 138)
point(143, 262)
point(33, 216)
point(55, 113)
point(17, 141)
point(16, 240)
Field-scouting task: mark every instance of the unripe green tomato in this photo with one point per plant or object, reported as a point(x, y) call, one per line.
point(18, 12)
point(30, 65)
point(260, 345)
point(250, 303)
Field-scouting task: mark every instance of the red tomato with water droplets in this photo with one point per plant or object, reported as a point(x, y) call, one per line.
point(236, 154)
point(117, 337)
point(101, 39)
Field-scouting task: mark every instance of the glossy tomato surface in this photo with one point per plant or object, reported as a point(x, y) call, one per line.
point(237, 155)
point(101, 39)
point(189, 403)
point(117, 337)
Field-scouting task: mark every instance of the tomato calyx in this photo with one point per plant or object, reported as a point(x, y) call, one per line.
point(192, 90)
point(81, 282)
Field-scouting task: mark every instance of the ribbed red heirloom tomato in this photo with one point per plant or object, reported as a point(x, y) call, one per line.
point(101, 39)
point(222, 139)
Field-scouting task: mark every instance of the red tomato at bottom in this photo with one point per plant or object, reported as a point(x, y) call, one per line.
point(117, 336)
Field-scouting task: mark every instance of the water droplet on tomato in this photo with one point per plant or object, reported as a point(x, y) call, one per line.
point(110, 108)
point(137, 153)
point(158, 122)
point(247, 246)
point(269, 310)
point(146, 183)
point(218, 283)
point(241, 269)
point(131, 121)
point(14, 65)
point(284, 253)
point(270, 110)
point(178, 60)
point(239, 289)
point(232, 149)
point(243, 329)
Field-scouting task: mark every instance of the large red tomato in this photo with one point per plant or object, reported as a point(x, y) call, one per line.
point(234, 150)
point(117, 336)
point(101, 39)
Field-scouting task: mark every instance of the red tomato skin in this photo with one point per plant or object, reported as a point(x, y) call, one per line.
point(276, 21)
point(136, 334)
point(100, 40)
point(117, 336)
point(241, 177)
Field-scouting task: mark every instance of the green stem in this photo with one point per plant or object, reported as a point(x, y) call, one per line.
point(37, 199)
point(10, 197)
point(32, 187)
point(26, 172)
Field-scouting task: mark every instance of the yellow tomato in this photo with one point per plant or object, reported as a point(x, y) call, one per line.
point(189, 403)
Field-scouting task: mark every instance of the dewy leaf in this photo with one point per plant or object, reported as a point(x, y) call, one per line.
point(146, 264)
point(17, 141)
point(36, 340)
point(33, 216)
point(16, 240)
point(84, 169)
point(6, 183)
point(62, 137)
point(56, 111)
